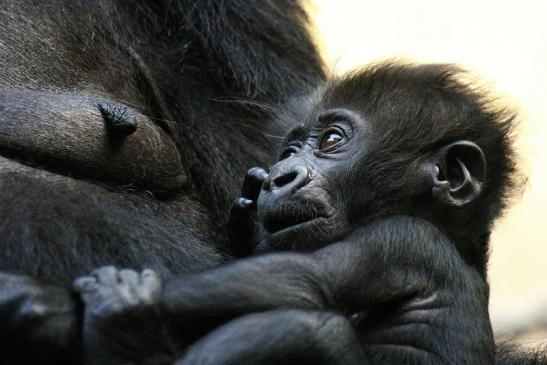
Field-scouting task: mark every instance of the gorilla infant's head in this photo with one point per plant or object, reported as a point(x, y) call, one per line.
point(389, 139)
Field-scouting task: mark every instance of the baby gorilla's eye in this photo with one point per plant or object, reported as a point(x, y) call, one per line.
point(289, 152)
point(331, 139)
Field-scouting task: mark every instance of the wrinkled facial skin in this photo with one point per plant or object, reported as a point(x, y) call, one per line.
point(303, 203)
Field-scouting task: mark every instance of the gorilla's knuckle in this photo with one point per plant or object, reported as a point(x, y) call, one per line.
point(254, 171)
point(32, 309)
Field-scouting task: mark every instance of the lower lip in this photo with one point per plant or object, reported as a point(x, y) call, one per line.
point(299, 226)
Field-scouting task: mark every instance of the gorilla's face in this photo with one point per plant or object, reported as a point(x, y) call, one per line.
point(304, 202)
point(363, 153)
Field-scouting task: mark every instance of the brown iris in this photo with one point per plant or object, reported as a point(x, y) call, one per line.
point(331, 139)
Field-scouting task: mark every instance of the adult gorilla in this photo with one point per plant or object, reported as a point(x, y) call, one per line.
point(125, 127)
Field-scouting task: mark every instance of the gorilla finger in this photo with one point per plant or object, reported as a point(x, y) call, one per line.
point(149, 289)
point(253, 183)
point(85, 284)
point(258, 172)
point(149, 274)
point(242, 214)
point(107, 275)
point(128, 277)
point(241, 204)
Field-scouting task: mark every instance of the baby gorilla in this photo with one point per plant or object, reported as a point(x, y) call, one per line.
point(387, 187)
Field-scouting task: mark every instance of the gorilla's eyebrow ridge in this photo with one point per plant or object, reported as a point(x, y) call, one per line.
point(298, 132)
point(339, 113)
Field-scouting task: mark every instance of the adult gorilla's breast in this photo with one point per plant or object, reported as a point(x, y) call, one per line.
point(63, 132)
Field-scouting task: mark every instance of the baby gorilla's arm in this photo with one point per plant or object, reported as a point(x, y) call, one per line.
point(400, 269)
point(122, 325)
point(279, 337)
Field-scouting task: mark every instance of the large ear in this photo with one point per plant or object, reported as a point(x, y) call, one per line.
point(458, 173)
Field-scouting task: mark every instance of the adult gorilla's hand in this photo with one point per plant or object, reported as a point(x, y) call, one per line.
point(40, 316)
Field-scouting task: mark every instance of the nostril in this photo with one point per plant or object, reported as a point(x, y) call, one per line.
point(284, 179)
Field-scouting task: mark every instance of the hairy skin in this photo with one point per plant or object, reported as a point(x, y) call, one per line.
point(105, 109)
point(386, 316)
point(388, 189)
point(185, 70)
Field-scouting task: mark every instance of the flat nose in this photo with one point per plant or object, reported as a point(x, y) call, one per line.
point(287, 180)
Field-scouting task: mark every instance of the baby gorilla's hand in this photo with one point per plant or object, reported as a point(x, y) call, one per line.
point(242, 227)
point(109, 292)
point(121, 317)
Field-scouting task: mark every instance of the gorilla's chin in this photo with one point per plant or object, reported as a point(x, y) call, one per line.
point(288, 216)
point(309, 235)
point(297, 222)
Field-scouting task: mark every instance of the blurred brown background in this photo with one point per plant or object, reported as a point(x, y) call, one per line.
point(505, 43)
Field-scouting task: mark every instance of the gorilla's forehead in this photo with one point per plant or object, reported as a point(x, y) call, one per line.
point(320, 117)
point(298, 132)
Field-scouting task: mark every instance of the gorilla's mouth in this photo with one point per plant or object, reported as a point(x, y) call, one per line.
point(289, 215)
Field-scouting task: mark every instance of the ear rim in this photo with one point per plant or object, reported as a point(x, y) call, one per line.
point(473, 177)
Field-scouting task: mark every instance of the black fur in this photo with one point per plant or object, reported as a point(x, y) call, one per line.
point(206, 72)
point(515, 354)
point(432, 104)
point(404, 203)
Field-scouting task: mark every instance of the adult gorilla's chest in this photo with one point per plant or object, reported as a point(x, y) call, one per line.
point(74, 196)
